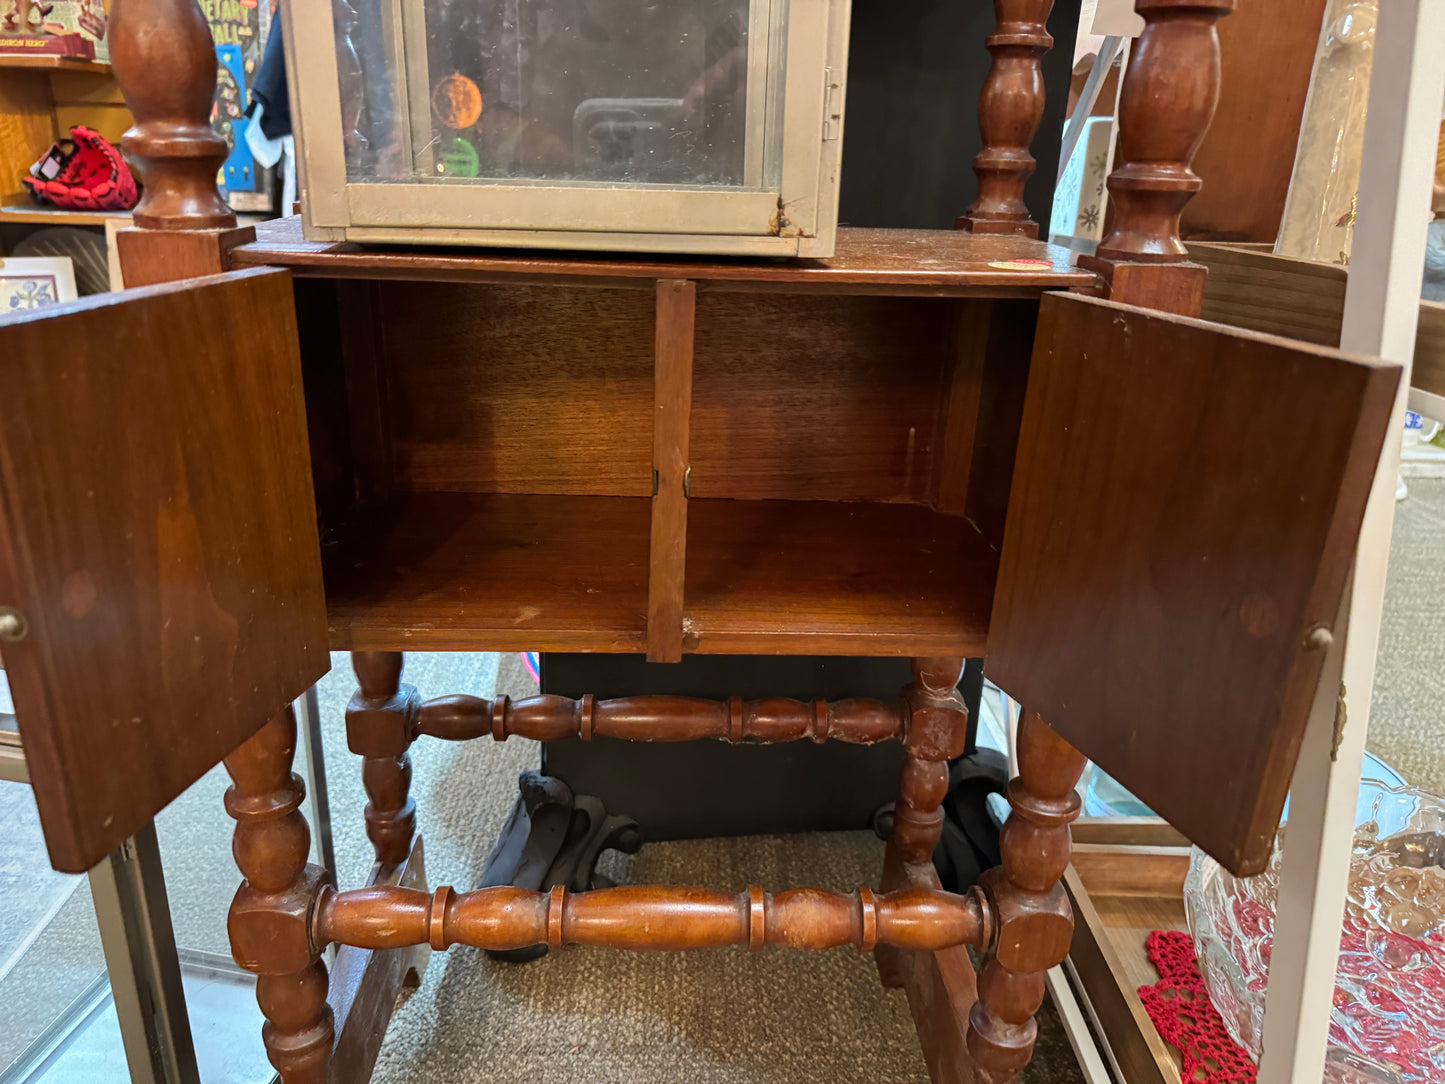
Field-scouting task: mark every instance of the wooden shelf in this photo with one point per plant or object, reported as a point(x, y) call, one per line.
point(923, 263)
point(824, 578)
point(32, 214)
point(1120, 895)
point(441, 571)
point(28, 62)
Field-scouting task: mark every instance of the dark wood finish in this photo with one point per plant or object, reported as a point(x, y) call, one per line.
point(359, 330)
point(1009, 111)
point(157, 532)
point(1008, 340)
point(834, 579)
point(1171, 87)
point(438, 572)
point(270, 919)
point(662, 718)
point(518, 388)
point(671, 419)
point(1170, 90)
point(165, 62)
point(941, 987)
point(937, 731)
point(648, 917)
point(1164, 531)
point(380, 722)
point(148, 257)
point(820, 398)
point(1267, 53)
point(365, 983)
point(1030, 910)
point(763, 577)
point(926, 263)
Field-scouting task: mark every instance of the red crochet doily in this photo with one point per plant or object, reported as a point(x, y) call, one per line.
point(1181, 1010)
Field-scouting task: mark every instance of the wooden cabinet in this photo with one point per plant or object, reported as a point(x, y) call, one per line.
point(932, 444)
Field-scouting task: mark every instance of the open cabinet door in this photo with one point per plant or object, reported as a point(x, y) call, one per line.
point(157, 543)
point(1185, 505)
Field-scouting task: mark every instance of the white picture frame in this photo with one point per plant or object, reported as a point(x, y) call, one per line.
point(35, 282)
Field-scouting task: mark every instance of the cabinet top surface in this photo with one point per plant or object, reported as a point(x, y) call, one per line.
point(924, 262)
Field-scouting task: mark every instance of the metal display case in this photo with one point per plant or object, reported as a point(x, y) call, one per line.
point(692, 126)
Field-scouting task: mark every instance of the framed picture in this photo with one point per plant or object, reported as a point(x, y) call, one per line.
point(33, 283)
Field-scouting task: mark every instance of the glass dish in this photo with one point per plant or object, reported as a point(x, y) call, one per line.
point(1388, 1020)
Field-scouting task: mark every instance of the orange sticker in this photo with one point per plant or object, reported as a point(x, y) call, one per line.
point(456, 101)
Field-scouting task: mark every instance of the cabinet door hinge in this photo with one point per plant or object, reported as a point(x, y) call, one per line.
point(832, 105)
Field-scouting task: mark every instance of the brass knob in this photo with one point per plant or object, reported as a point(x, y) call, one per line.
point(12, 624)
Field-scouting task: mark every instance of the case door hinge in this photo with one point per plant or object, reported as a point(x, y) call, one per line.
point(832, 105)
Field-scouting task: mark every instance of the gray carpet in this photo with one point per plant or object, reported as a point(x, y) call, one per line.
point(598, 1016)
point(1407, 710)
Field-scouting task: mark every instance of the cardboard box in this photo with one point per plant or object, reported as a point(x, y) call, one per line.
point(74, 28)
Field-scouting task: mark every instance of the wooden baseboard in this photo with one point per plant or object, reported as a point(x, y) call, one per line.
point(365, 983)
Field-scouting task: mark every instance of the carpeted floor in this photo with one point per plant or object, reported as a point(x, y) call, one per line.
point(603, 1017)
point(1407, 710)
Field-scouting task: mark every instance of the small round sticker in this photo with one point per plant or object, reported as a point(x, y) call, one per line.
point(456, 101)
point(1023, 265)
point(456, 157)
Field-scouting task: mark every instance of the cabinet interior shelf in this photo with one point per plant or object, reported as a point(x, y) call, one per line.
point(444, 571)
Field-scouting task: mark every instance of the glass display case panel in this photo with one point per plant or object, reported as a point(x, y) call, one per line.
point(571, 123)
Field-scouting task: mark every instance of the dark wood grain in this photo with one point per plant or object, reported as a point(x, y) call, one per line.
point(518, 389)
point(919, 262)
point(1170, 548)
point(1009, 110)
point(663, 718)
point(365, 983)
point(648, 917)
point(1028, 907)
point(1169, 93)
point(165, 63)
point(491, 572)
point(941, 987)
point(157, 530)
point(819, 398)
point(823, 578)
point(1267, 52)
point(379, 721)
point(1170, 90)
point(270, 918)
point(671, 420)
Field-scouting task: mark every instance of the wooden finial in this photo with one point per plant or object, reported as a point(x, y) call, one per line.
point(1009, 111)
point(1168, 97)
point(165, 62)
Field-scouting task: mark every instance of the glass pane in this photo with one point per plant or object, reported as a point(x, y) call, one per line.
point(639, 92)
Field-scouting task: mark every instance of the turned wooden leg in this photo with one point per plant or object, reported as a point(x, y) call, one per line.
point(270, 919)
point(936, 732)
point(1032, 920)
point(380, 726)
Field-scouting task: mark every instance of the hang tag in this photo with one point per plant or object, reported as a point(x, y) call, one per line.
point(49, 167)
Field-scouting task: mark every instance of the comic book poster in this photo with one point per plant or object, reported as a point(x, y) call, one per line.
point(239, 29)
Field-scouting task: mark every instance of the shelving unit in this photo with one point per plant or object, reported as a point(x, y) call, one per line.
point(494, 418)
point(24, 62)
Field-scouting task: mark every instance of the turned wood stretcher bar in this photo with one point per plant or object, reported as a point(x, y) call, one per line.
point(1021, 461)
